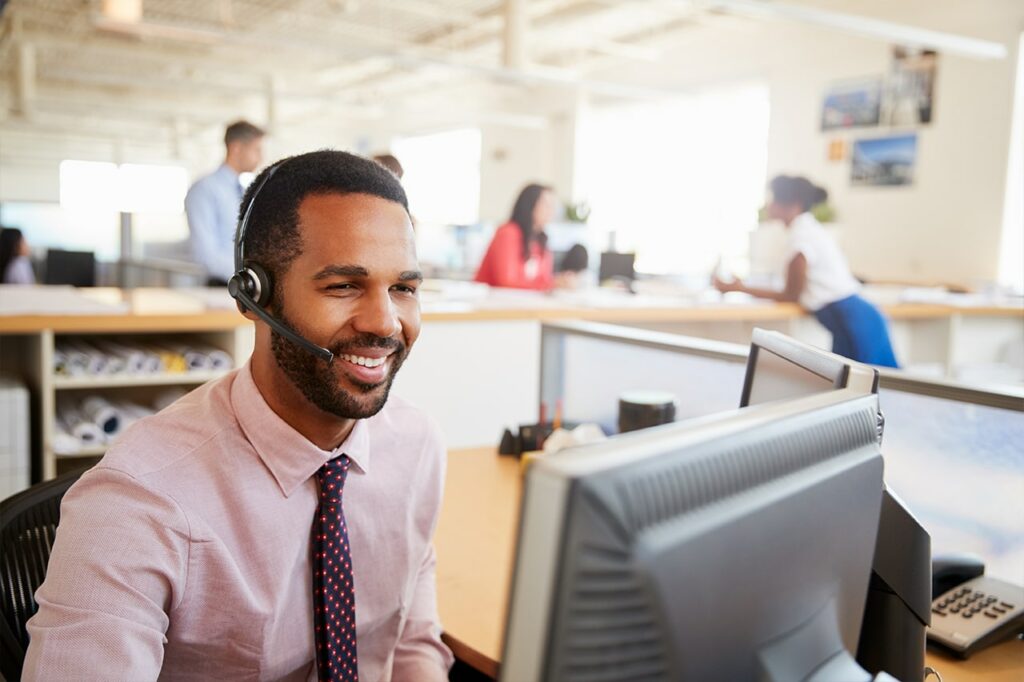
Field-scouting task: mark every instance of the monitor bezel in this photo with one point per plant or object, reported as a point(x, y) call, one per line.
point(842, 372)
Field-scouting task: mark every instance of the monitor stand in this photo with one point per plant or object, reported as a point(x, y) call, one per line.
point(898, 607)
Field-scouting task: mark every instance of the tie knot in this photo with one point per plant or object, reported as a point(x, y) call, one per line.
point(332, 477)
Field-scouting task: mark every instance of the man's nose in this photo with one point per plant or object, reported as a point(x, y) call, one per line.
point(377, 315)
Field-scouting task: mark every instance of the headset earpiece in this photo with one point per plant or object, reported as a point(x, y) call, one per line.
point(252, 288)
point(254, 282)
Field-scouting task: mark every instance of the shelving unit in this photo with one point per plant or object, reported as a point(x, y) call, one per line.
point(129, 380)
point(27, 354)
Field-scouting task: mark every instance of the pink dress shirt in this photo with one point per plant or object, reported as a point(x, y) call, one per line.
point(185, 554)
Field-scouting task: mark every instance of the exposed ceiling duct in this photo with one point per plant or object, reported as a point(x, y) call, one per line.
point(865, 27)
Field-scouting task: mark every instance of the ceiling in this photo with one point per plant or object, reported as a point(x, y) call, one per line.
point(167, 70)
point(188, 64)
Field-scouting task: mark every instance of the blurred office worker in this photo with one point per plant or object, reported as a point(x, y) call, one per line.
point(15, 266)
point(276, 523)
point(212, 202)
point(518, 255)
point(819, 278)
point(391, 162)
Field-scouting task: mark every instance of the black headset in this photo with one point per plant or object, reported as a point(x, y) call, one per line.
point(252, 288)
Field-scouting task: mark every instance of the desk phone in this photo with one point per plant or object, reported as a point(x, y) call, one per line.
point(977, 613)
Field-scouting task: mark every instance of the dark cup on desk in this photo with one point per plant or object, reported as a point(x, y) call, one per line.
point(641, 409)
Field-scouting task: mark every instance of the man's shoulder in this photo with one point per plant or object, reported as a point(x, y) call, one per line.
point(178, 432)
point(207, 182)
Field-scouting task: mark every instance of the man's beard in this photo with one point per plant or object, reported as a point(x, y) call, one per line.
point(317, 382)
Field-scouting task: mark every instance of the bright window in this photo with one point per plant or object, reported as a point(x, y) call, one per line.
point(442, 175)
point(88, 185)
point(1011, 252)
point(146, 188)
point(678, 181)
point(129, 188)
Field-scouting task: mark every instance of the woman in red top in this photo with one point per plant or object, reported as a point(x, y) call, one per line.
point(518, 255)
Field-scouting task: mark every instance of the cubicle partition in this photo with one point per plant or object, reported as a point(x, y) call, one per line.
point(953, 453)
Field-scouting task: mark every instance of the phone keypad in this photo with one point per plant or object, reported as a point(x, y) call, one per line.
point(968, 603)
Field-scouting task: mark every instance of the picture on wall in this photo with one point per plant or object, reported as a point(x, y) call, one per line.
point(852, 104)
point(884, 161)
point(909, 88)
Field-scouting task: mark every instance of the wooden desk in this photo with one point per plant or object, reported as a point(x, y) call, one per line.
point(475, 550)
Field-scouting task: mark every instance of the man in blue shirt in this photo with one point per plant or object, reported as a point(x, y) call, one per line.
point(212, 202)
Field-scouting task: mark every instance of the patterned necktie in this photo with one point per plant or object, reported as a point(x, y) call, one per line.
point(334, 607)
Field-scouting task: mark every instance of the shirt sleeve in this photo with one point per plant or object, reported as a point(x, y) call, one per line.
point(207, 248)
point(801, 242)
point(420, 653)
point(117, 568)
point(20, 272)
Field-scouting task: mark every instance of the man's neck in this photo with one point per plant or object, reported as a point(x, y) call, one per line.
point(324, 430)
point(233, 165)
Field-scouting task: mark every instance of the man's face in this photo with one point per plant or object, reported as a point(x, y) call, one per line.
point(249, 154)
point(353, 290)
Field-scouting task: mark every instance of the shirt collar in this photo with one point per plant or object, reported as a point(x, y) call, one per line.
point(289, 455)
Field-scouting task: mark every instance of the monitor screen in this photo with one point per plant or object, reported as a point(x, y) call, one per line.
point(776, 378)
point(617, 265)
point(780, 367)
point(732, 547)
point(77, 268)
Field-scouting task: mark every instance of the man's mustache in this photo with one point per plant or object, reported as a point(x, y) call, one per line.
point(367, 341)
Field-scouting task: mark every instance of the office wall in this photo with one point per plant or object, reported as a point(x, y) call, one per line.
point(946, 226)
point(510, 158)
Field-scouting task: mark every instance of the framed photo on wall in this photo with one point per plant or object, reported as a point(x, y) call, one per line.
point(885, 161)
point(909, 91)
point(852, 104)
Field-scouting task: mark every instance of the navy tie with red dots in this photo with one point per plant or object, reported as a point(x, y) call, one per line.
point(334, 597)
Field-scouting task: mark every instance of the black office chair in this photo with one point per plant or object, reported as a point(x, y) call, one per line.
point(28, 524)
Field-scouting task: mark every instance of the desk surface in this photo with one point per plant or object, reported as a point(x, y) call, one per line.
point(106, 310)
point(475, 550)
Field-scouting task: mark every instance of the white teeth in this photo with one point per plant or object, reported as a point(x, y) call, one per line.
point(365, 362)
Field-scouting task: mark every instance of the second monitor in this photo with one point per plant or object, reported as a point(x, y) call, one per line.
point(733, 547)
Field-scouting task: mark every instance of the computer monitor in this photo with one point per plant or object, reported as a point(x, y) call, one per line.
point(780, 367)
point(732, 547)
point(898, 607)
point(617, 266)
point(77, 268)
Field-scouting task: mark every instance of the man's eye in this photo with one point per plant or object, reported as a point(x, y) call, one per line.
point(405, 288)
point(339, 286)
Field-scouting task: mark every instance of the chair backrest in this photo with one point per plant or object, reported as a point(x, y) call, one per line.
point(28, 524)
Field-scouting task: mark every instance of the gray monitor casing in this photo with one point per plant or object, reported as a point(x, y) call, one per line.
point(737, 546)
point(898, 606)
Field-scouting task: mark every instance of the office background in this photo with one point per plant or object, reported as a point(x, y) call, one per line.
point(660, 121)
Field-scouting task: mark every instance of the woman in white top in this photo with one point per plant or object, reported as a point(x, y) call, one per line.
point(15, 266)
point(819, 278)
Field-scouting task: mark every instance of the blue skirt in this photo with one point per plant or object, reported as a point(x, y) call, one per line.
point(859, 331)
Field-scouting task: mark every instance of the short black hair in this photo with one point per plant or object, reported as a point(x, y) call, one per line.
point(272, 236)
point(242, 131)
point(390, 162)
point(788, 189)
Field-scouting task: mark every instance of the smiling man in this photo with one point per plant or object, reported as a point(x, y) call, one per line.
point(276, 523)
